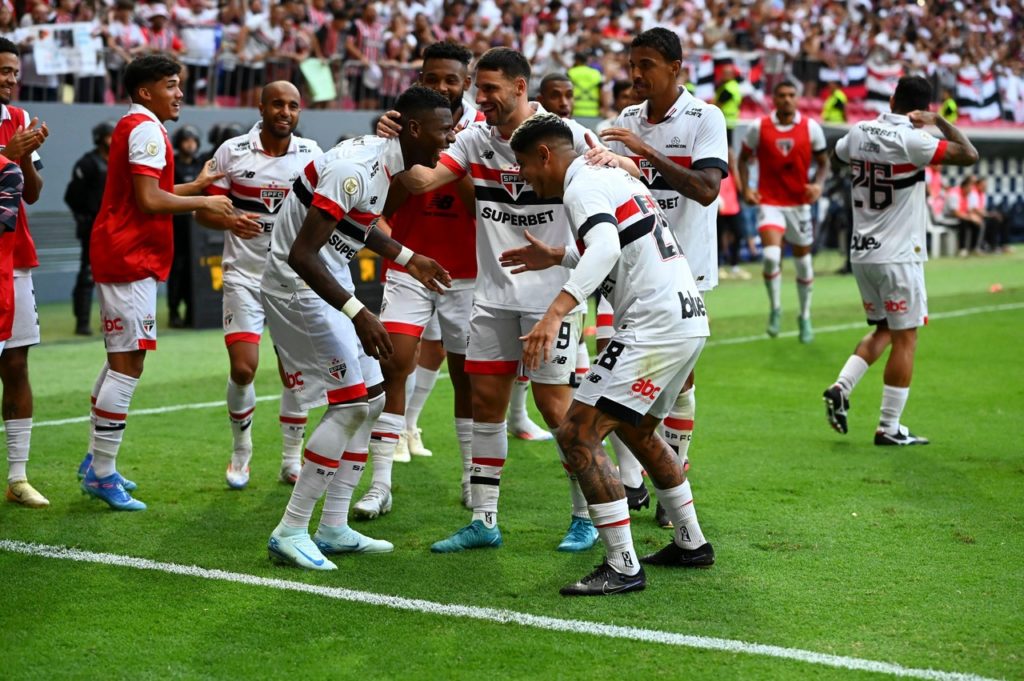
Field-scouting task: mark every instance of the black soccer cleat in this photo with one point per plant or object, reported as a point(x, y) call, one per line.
point(901, 439)
point(675, 556)
point(605, 581)
point(836, 406)
point(637, 497)
point(661, 516)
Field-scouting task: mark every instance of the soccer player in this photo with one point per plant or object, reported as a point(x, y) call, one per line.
point(784, 144)
point(131, 251)
point(441, 225)
point(679, 143)
point(505, 307)
point(625, 247)
point(888, 248)
point(556, 94)
point(20, 138)
point(259, 170)
point(328, 342)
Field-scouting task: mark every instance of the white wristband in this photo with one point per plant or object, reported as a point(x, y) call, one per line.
point(404, 256)
point(352, 307)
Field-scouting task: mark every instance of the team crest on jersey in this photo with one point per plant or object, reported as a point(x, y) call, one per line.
point(272, 197)
point(785, 145)
point(512, 183)
point(148, 323)
point(648, 170)
point(228, 318)
point(152, 148)
point(337, 369)
point(350, 185)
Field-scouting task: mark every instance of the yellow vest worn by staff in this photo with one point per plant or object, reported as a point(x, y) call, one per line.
point(949, 110)
point(730, 105)
point(586, 88)
point(834, 110)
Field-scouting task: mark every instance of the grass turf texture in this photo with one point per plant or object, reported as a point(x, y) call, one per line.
point(824, 542)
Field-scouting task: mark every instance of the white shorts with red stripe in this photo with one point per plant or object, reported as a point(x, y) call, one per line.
point(128, 314)
point(495, 348)
point(893, 292)
point(25, 330)
point(631, 380)
point(243, 313)
point(793, 222)
point(323, 360)
point(408, 307)
point(605, 319)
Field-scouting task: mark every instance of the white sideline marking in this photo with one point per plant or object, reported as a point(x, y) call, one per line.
point(492, 614)
point(728, 341)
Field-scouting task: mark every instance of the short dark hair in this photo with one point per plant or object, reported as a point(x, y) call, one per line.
point(784, 83)
point(553, 78)
point(418, 99)
point(539, 128)
point(913, 93)
point(8, 47)
point(620, 86)
point(149, 69)
point(448, 50)
point(511, 63)
point(663, 41)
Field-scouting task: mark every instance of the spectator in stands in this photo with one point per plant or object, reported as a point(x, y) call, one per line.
point(34, 86)
point(187, 166)
point(124, 40)
point(959, 205)
point(8, 24)
point(198, 28)
point(834, 108)
point(362, 50)
point(996, 226)
point(160, 35)
point(258, 42)
point(296, 46)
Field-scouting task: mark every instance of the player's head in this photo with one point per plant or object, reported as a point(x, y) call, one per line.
point(784, 96)
point(280, 106)
point(446, 69)
point(544, 149)
point(622, 94)
point(187, 140)
point(655, 57)
point(556, 94)
point(101, 134)
point(502, 75)
point(427, 127)
point(10, 69)
point(153, 82)
point(913, 93)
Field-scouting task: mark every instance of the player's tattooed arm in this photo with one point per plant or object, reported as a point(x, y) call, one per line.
point(207, 176)
point(959, 150)
point(426, 270)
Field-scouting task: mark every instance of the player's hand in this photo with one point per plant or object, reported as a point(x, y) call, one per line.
point(812, 192)
point(219, 205)
point(208, 175)
point(26, 140)
point(537, 343)
point(599, 155)
point(627, 137)
point(536, 255)
point(245, 226)
point(919, 119)
point(429, 273)
point(375, 339)
point(751, 196)
point(388, 125)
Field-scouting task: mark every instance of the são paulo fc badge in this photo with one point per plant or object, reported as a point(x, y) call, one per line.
point(512, 183)
point(785, 145)
point(148, 324)
point(272, 197)
point(648, 170)
point(337, 369)
point(228, 318)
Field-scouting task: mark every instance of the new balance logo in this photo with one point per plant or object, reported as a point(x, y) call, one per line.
point(645, 389)
point(249, 174)
point(560, 359)
point(442, 201)
point(594, 378)
point(488, 155)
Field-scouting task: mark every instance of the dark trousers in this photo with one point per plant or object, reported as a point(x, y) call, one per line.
point(81, 294)
point(179, 281)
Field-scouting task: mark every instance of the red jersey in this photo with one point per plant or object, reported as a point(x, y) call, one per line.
point(784, 154)
point(127, 244)
point(12, 118)
point(11, 186)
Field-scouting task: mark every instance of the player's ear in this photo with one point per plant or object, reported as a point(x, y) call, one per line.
point(413, 126)
point(543, 153)
point(520, 86)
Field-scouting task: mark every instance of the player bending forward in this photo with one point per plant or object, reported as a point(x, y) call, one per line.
point(626, 248)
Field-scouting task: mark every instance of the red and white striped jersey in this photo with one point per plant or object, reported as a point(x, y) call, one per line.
point(350, 183)
point(692, 135)
point(651, 287)
point(890, 209)
point(256, 183)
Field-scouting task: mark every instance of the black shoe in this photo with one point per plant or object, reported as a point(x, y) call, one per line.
point(836, 406)
point(637, 497)
point(604, 581)
point(903, 438)
point(661, 516)
point(83, 330)
point(674, 556)
point(176, 323)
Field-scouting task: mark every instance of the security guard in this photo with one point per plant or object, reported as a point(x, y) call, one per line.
point(834, 109)
point(586, 84)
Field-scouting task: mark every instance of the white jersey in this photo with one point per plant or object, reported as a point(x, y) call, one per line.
point(350, 183)
point(506, 206)
point(890, 209)
point(256, 183)
point(650, 288)
point(692, 135)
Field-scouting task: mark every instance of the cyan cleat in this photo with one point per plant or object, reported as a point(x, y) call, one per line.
point(581, 536)
point(476, 535)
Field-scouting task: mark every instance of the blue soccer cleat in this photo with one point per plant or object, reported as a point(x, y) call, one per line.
point(288, 546)
point(581, 536)
point(86, 464)
point(111, 490)
point(476, 535)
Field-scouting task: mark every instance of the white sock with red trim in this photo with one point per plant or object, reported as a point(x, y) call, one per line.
point(293, 419)
point(678, 503)
point(804, 283)
point(582, 361)
point(612, 522)
point(92, 399)
point(490, 450)
point(772, 260)
point(241, 405)
point(677, 429)
point(425, 380)
point(323, 452)
point(350, 469)
point(111, 410)
point(383, 440)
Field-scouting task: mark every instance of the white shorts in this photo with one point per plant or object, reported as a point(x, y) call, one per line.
point(243, 313)
point(605, 319)
point(893, 293)
point(495, 348)
point(323, 360)
point(793, 222)
point(432, 331)
point(128, 313)
point(408, 307)
point(631, 380)
point(25, 330)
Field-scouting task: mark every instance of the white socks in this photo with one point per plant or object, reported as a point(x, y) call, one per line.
point(612, 522)
point(293, 419)
point(383, 440)
point(425, 380)
point(241, 401)
point(92, 406)
point(350, 469)
point(490, 449)
point(678, 503)
point(804, 283)
point(772, 259)
point(517, 404)
point(677, 428)
point(851, 373)
point(579, 502)
point(111, 411)
point(630, 471)
point(464, 433)
point(893, 402)
point(18, 433)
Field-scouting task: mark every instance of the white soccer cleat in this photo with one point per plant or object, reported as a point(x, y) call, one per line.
point(290, 473)
point(237, 479)
point(296, 549)
point(335, 540)
point(376, 502)
point(523, 428)
point(401, 454)
point(414, 439)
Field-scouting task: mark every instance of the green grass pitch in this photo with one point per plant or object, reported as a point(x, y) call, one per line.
point(825, 543)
